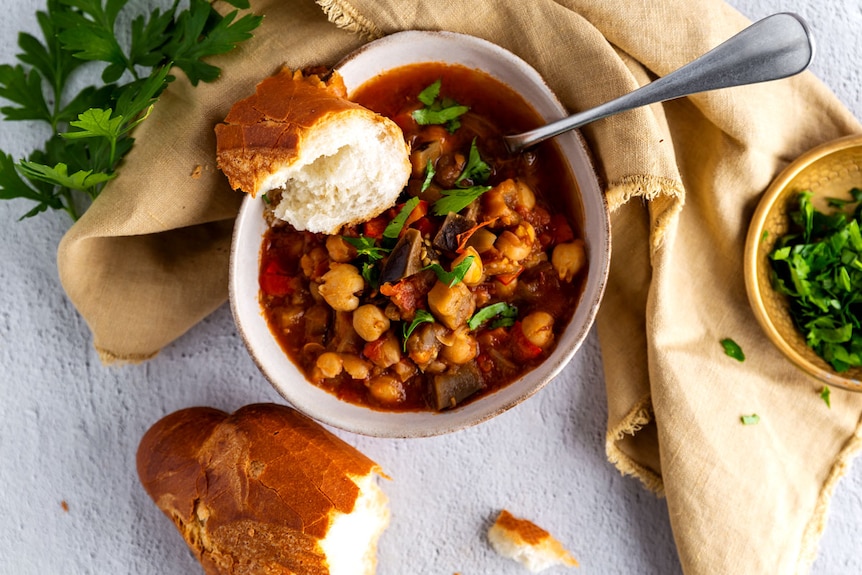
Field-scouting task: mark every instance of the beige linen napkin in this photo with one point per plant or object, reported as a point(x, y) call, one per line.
point(149, 259)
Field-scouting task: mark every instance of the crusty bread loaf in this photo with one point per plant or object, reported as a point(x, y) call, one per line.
point(335, 161)
point(527, 543)
point(264, 490)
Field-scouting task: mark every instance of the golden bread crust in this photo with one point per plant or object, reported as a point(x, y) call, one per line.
point(253, 491)
point(267, 128)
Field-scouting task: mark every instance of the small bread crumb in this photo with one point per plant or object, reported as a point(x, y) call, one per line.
point(64, 505)
point(527, 543)
point(196, 172)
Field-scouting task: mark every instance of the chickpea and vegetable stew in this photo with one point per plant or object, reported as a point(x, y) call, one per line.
point(460, 288)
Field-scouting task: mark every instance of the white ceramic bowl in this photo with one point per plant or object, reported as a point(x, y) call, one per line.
point(390, 52)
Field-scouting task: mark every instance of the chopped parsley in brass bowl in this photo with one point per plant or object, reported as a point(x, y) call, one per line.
point(803, 262)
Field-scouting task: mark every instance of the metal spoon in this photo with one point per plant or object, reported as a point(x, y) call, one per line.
point(775, 47)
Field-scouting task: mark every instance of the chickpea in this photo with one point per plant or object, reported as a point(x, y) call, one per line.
point(339, 250)
point(495, 206)
point(475, 273)
point(370, 322)
point(340, 285)
point(452, 306)
point(505, 290)
point(314, 262)
point(517, 245)
point(386, 389)
point(523, 196)
point(538, 328)
point(330, 364)
point(355, 366)
point(463, 349)
point(387, 353)
point(568, 259)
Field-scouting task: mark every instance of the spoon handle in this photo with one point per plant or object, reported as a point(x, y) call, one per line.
point(775, 47)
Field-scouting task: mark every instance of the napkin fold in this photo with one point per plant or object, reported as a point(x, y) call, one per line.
point(149, 259)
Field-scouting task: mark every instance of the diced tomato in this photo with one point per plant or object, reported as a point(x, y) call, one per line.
point(560, 229)
point(375, 227)
point(403, 294)
point(485, 363)
point(506, 279)
point(425, 226)
point(373, 350)
point(522, 348)
point(419, 212)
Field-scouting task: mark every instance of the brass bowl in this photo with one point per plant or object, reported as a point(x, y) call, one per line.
point(830, 170)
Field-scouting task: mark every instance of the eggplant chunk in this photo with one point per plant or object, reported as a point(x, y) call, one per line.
point(450, 389)
point(454, 225)
point(405, 258)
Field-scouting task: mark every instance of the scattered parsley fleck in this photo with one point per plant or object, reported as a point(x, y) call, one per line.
point(752, 419)
point(825, 394)
point(732, 349)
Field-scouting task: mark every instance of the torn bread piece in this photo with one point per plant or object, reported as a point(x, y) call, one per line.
point(264, 490)
point(527, 543)
point(333, 162)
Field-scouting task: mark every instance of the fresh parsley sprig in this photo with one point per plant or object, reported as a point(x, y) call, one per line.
point(90, 129)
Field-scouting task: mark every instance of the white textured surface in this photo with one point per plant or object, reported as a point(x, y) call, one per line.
point(69, 427)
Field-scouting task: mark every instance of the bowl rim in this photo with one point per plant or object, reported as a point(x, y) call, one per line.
point(328, 409)
point(754, 259)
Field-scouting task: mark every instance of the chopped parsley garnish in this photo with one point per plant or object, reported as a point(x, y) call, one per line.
point(818, 266)
point(420, 317)
point(393, 229)
point(456, 275)
point(732, 349)
point(444, 111)
point(504, 312)
point(457, 199)
point(429, 176)
point(367, 247)
point(476, 171)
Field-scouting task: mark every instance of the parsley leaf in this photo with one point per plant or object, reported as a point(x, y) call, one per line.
point(732, 349)
point(367, 247)
point(457, 199)
point(506, 313)
point(429, 176)
point(452, 277)
point(437, 111)
point(393, 229)
point(476, 170)
point(419, 318)
point(195, 38)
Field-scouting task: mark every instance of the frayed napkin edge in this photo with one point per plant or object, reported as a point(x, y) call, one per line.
point(639, 416)
point(346, 17)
